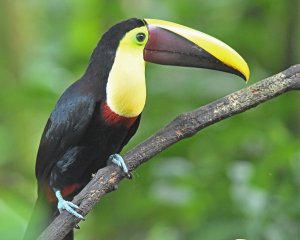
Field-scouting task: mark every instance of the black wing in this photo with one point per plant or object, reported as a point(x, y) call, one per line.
point(65, 127)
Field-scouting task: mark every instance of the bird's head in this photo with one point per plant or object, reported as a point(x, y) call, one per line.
point(132, 42)
point(168, 43)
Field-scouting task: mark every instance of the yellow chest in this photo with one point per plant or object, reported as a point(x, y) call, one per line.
point(126, 87)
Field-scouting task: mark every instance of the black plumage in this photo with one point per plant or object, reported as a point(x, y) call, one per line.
point(79, 137)
point(83, 130)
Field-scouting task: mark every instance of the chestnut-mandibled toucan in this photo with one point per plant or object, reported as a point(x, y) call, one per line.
point(98, 114)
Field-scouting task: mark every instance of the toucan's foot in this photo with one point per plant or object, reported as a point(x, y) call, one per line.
point(118, 160)
point(66, 205)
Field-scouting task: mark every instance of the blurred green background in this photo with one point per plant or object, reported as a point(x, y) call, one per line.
point(237, 179)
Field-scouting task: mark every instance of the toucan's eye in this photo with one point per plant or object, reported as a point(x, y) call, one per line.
point(140, 37)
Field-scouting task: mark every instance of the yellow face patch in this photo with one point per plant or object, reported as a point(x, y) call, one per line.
point(126, 86)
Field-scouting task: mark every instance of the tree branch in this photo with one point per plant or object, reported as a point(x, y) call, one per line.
point(183, 126)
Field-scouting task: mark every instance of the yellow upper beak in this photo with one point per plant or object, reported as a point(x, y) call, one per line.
point(219, 50)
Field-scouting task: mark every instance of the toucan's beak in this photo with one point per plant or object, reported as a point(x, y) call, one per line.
point(173, 44)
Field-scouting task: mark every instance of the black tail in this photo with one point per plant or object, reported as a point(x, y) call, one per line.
point(43, 214)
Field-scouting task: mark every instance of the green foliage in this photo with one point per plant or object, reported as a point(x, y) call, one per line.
point(236, 179)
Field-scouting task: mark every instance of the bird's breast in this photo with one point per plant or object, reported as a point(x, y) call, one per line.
point(126, 84)
point(112, 118)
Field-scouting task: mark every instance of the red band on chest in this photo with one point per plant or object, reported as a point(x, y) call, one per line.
point(113, 118)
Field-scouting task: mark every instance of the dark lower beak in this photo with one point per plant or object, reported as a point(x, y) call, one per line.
point(173, 44)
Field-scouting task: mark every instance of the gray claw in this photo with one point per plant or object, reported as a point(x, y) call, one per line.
point(66, 205)
point(119, 161)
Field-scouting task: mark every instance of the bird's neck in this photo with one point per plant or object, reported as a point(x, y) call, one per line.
point(126, 86)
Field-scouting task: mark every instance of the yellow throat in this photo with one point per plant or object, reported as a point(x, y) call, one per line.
point(126, 86)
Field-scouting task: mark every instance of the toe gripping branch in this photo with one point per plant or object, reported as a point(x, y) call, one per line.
point(119, 161)
point(71, 207)
point(66, 205)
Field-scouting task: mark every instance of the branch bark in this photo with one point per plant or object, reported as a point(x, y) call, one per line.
point(183, 126)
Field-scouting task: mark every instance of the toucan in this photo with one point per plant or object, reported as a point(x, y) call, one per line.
point(98, 114)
